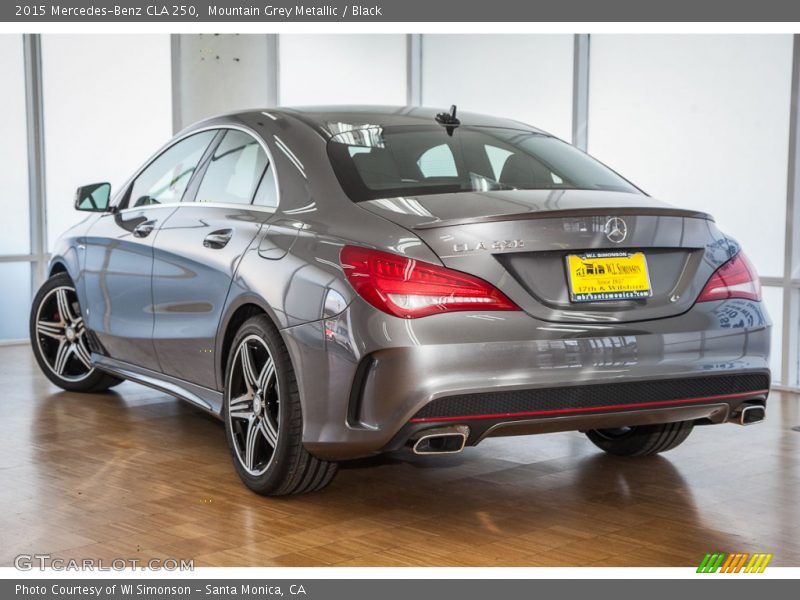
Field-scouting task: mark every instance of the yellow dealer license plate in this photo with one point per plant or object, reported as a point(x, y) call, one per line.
point(599, 276)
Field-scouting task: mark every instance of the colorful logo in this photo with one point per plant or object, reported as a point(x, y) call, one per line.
point(740, 562)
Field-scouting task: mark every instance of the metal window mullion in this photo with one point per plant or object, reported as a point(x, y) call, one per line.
point(273, 69)
point(580, 91)
point(37, 199)
point(175, 79)
point(414, 69)
point(791, 314)
point(31, 258)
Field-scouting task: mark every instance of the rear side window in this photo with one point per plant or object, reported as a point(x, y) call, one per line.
point(437, 162)
point(497, 159)
point(165, 179)
point(267, 193)
point(234, 171)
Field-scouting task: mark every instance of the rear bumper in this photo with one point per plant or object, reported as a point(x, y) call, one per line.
point(707, 410)
point(369, 381)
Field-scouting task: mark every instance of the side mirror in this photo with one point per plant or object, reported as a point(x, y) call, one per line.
point(93, 198)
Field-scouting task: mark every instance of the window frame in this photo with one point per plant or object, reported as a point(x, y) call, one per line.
point(121, 198)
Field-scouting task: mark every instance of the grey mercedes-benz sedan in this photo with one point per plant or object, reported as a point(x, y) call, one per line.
point(339, 282)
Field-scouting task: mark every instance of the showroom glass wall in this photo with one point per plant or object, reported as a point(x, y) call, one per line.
point(703, 121)
point(76, 94)
point(107, 106)
point(698, 120)
point(15, 243)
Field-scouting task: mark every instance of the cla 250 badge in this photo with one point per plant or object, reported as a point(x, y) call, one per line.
point(494, 245)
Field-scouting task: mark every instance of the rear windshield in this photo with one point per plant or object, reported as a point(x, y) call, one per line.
point(378, 162)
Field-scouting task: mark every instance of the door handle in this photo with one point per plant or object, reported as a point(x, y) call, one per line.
point(142, 230)
point(218, 239)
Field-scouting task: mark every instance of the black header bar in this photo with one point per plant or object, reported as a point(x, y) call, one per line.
point(280, 11)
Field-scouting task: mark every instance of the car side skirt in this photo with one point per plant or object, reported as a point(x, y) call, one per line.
point(202, 397)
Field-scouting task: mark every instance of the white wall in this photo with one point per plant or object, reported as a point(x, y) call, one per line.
point(701, 121)
point(524, 77)
point(221, 73)
point(107, 107)
point(342, 69)
point(13, 149)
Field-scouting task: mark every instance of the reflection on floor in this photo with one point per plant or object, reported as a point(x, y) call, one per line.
point(137, 474)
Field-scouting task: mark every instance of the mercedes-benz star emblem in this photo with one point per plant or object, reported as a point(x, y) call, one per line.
point(616, 230)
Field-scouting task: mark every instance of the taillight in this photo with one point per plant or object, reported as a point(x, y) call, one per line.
point(410, 288)
point(737, 278)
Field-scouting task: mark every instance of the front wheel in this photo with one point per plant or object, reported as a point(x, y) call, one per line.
point(641, 440)
point(58, 338)
point(263, 417)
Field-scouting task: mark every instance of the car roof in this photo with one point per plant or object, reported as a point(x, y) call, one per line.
point(329, 120)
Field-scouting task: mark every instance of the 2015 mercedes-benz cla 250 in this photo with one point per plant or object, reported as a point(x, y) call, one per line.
point(340, 282)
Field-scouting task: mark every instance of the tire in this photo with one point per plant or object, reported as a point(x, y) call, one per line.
point(262, 411)
point(58, 339)
point(642, 440)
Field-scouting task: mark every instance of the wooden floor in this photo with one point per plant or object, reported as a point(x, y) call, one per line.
point(137, 474)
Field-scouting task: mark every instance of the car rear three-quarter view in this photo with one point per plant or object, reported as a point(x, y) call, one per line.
point(336, 282)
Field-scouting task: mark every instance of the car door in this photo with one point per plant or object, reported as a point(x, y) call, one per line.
point(118, 253)
point(197, 251)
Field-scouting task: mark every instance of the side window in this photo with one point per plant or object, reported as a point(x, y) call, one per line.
point(438, 162)
point(266, 195)
point(520, 170)
point(165, 179)
point(497, 158)
point(234, 170)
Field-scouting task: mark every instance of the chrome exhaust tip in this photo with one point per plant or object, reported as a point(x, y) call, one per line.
point(752, 414)
point(440, 440)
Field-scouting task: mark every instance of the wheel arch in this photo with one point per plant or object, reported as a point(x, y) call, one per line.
point(63, 264)
point(66, 262)
point(56, 267)
point(232, 320)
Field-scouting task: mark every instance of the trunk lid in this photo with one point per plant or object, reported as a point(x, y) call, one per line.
point(519, 241)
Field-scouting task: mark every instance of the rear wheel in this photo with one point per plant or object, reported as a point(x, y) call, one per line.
point(263, 417)
point(58, 338)
point(641, 440)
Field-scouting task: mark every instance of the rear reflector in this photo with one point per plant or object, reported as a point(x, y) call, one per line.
point(409, 288)
point(737, 278)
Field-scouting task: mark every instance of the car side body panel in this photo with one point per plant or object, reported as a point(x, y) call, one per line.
point(67, 254)
point(191, 279)
point(116, 275)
